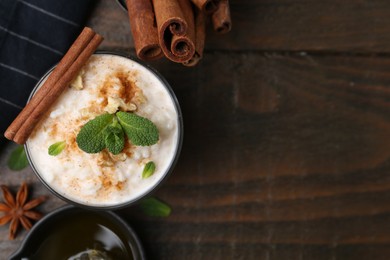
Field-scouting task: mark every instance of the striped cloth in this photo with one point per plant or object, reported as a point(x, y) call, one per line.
point(34, 35)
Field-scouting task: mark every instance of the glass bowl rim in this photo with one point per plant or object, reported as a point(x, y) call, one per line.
point(165, 175)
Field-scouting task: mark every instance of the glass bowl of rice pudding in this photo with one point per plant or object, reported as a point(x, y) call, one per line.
point(109, 82)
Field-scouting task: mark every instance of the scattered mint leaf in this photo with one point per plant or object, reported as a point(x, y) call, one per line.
point(91, 138)
point(114, 139)
point(140, 131)
point(56, 148)
point(18, 159)
point(149, 169)
point(155, 208)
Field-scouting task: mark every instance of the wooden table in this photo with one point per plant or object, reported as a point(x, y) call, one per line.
point(286, 149)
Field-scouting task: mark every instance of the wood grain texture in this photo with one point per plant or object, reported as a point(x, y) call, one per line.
point(307, 179)
point(286, 150)
point(278, 25)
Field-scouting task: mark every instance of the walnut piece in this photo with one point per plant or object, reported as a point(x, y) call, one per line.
point(114, 104)
point(77, 83)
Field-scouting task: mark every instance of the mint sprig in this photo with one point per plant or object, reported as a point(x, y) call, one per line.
point(56, 148)
point(107, 131)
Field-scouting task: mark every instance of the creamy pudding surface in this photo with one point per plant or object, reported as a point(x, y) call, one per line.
point(106, 84)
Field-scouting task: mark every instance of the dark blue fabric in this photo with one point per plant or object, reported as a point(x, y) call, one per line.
point(34, 35)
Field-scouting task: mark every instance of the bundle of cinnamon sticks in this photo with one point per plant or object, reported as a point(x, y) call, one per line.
point(175, 29)
point(59, 79)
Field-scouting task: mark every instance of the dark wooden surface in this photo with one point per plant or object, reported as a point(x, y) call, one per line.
point(287, 136)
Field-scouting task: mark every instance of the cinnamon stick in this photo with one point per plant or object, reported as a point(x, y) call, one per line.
point(143, 29)
point(221, 18)
point(175, 27)
point(182, 47)
point(74, 51)
point(169, 17)
point(56, 90)
point(206, 6)
point(200, 36)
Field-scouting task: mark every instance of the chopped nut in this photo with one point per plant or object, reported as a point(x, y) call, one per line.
point(114, 104)
point(139, 97)
point(86, 112)
point(104, 159)
point(118, 157)
point(77, 82)
point(128, 106)
point(104, 163)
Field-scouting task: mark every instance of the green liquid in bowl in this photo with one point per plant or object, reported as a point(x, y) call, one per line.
point(87, 237)
point(77, 234)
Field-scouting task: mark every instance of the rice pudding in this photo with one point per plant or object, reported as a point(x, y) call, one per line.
point(107, 83)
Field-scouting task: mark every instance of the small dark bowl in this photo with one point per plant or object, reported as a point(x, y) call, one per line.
point(44, 231)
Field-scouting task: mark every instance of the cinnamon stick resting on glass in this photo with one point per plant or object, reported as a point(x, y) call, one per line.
point(60, 78)
point(143, 29)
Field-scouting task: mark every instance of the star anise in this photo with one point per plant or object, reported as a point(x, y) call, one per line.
point(17, 211)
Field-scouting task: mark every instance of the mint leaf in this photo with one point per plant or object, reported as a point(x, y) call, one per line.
point(108, 131)
point(91, 138)
point(140, 131)
point(18, 159)
point(149, 169)
point(155, 208)
point(56, 148)
point(114, 139)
